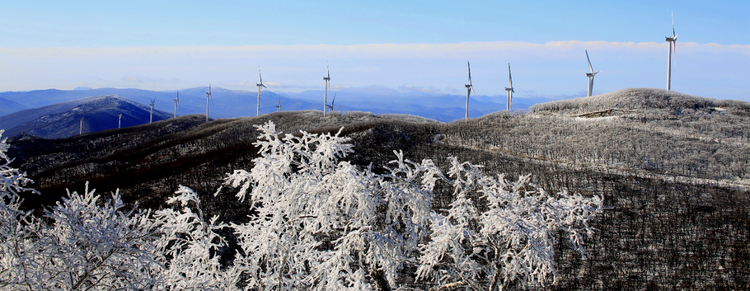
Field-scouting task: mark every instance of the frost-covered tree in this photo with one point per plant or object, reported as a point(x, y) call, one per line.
point(86, 246)
point(97, 246)
point(18, 229)
point(511, 241)
point(89, 244)
point(322, 223)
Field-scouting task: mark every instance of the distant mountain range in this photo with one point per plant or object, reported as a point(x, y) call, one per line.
point(64, 119)
point(234, 103)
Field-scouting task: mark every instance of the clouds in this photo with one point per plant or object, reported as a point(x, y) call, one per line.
point(147, 80)
point(551, 68)
point(410, 88)
point(466, 50)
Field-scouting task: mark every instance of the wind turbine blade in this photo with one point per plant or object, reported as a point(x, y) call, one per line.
point(510, 77)
point(675, 48)
point(675, 52)
point(587, 58)
point(673, 24)
point(334, 99)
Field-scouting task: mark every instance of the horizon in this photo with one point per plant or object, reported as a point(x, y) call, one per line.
point(405, 47)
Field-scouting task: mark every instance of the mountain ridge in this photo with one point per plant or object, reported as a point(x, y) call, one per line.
point(62, 119)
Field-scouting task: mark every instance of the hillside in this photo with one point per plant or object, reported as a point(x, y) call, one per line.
point(672, 169)
point(63, 119)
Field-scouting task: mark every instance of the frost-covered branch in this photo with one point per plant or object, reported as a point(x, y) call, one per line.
point(512, 240)
point(189, 246)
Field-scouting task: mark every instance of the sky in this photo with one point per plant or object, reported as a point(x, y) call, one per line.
point(404, 46)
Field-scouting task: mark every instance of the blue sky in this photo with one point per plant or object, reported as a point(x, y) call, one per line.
point(400, 45)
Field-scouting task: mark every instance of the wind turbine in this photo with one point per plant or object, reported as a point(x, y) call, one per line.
point(672, 41)
point(80, 127)
point(260, 85)
point(591, 74)
point(469, 89)
point(176, 102)
point(509, 90)
point(208, 96)
point(151, 116)
point(119, 120)
point(325, 93)
point(330, 107)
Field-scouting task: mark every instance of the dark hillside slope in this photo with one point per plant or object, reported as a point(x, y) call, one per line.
point(148, 162)
point(687, 228)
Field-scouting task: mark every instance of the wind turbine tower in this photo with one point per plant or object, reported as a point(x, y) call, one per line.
point(119, 120)
point(469, 89)
point(260, 85)
point(672, 47)
point(151, 116)
point(176, 102)
point(278, 107)
point(590, 74)
point(510, 89)
point(208, 96)
point(80, 127)
point(325, 93)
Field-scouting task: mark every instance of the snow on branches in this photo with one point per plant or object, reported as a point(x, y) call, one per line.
point(511, 240)
point(322, 223)
point(316, 222)
point(88, 245)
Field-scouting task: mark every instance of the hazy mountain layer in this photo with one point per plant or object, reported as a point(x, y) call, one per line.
point(235, 103)
point(8, 107)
